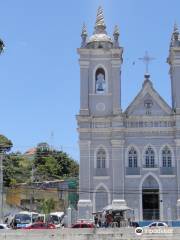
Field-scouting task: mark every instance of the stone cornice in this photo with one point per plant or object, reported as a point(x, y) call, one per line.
point(150, 118)
point(154, 130)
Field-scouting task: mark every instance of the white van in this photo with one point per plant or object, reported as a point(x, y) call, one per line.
point(57, 218)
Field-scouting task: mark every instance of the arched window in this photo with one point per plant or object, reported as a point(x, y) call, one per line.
point(149, 158)
point(132, 158)
point(166, 157)
point(100, 85)
point(101, 158)
point(101, 199)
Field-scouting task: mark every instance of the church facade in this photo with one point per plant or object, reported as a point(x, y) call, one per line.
point(132, 156)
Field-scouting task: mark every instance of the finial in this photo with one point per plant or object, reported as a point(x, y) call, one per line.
point(116, 30)
point(2, 46)
point(146, 59)
point(175, 27)
point(83, 35)
point(100, 24)
point(116, 36)
point(84, 30)
point(176, 32)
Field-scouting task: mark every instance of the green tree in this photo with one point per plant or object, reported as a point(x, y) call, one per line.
point(51, 164)
point(69, 167)
point(47, 205)
point(17, 169)
point(5, 144)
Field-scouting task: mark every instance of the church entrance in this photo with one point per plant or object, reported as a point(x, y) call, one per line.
point(150, 199)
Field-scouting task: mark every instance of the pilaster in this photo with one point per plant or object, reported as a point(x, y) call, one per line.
point(118, 168)
point(84, 170)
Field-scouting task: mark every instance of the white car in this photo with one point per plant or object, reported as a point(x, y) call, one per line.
point(3, 226)
point(157, 224)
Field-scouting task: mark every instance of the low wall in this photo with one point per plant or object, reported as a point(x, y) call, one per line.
point(86, 234)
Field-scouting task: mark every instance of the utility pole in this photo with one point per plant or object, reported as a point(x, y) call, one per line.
point(1, 188)
point(1, 163)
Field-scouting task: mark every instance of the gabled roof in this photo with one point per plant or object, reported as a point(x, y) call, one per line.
point(148, 93)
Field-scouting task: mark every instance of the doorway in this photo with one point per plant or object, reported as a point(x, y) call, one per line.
point(150, 199)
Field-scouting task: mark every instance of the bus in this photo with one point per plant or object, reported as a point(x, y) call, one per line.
point(24, 219)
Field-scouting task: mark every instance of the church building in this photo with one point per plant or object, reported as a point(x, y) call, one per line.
point(130, 156)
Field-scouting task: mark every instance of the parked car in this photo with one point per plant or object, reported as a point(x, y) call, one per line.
point(157, 224)
point(3, 226)
point(41, 225)
point(83, 225)
point(134, 224)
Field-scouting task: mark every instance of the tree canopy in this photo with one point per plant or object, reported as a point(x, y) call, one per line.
point(52, 164)
point(5, 144)
point(47, 165)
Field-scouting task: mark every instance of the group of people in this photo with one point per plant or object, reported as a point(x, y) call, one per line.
point(110, 219)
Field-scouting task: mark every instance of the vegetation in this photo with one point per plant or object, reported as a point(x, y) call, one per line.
point(5, 144)
point(51, 164)
point(47, 165)
point(17, 169)
point(47, 206)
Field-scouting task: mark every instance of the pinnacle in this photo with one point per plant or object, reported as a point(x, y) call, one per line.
point(100, 24)
point(116, 30)
point(176, 27)
point(84, 30)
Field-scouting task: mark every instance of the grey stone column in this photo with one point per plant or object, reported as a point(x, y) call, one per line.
point(84, 170)
point(116, 87)
point(177, 157)
point(84, 87)
point(118, 168)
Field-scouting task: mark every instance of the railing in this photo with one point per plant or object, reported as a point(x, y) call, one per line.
point(167, 170)
point(150, 166)
point(101, 172)
point(132, 170)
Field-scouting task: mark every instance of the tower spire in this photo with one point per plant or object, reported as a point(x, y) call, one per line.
point(84, 35)
point(175, 27)
point(176, 32)
point(100, 25)
point(116, 36)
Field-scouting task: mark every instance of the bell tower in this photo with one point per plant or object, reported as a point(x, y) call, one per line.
point(100, 108)
point(100, 68)
point(174, 62)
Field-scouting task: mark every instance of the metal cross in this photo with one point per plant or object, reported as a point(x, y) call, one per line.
point(146, 59)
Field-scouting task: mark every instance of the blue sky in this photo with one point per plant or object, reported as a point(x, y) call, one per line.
point(39, 72)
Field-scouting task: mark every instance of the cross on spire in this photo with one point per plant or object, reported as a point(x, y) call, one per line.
point(146, 59)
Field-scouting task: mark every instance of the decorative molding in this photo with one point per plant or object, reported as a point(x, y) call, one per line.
point(167, 176)
point(133, 176)
point(101, 177)
point(117, 143)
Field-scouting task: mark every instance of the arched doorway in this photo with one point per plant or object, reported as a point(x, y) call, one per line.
point(150, 199)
